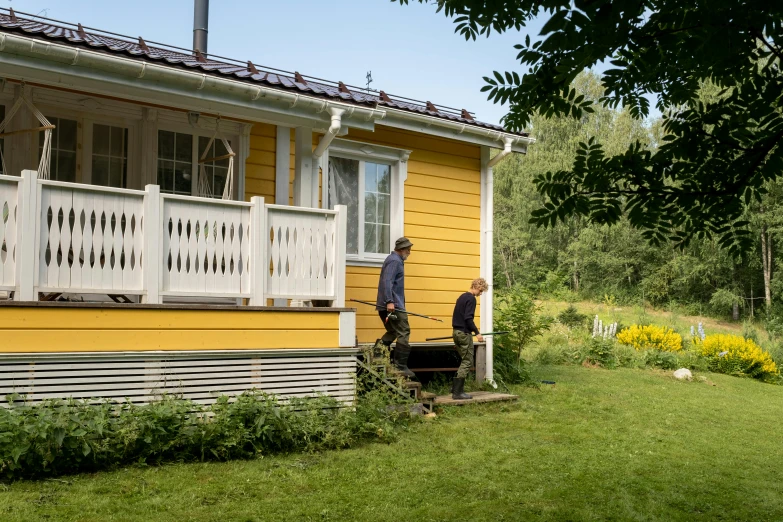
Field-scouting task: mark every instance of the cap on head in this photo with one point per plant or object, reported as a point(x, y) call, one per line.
point(402, 243)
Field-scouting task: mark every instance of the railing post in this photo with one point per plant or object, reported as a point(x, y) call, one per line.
point(26, 235)
point(341, 244)
point(258, 240)
point(152, 240)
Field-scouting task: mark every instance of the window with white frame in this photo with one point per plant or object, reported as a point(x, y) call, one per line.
point(216, 171)
point(178, 155)
point(175, 162)
point(109, 156)
point(368, 180)
point(65, 137)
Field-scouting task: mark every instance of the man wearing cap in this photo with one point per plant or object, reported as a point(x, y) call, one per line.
point(391, 299)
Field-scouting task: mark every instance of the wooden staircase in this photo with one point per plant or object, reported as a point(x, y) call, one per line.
point(426, 401)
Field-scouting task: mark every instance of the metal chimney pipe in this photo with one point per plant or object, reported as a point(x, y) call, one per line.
point(200, 25)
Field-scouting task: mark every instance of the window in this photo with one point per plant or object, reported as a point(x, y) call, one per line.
point(109, 156)
point(368, 180)
point(178, 155)
point(216, 171)
point(64, 139)
point(175, 162)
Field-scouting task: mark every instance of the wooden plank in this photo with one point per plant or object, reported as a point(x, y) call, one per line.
point(478, 397)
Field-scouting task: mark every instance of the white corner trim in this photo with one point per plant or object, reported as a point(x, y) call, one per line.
point(486, 254)
point(347, 337)
point(244, 153)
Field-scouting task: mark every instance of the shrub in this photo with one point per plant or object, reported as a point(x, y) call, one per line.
point(651, 337)
point(571, 318)
point(70, 436)
point(600, 352)
point(735, 355)
point(661, 359)
point(519, 315)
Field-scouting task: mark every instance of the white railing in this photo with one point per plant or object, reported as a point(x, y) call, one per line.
point(74, 238)
point(89, 239)
point(301, 253)
point(9, 190)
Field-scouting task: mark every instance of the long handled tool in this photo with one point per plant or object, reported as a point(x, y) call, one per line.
point(398, 310)
point(449, 337)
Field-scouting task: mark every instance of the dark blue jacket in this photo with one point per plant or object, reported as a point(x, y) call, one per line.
point(391, 286)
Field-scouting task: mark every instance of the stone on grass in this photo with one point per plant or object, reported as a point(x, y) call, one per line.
point(683, 374)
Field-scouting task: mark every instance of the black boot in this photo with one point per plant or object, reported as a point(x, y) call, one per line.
point(459, 390)
point(401, 354)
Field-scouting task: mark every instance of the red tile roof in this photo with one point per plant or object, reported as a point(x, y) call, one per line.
point(139, 49)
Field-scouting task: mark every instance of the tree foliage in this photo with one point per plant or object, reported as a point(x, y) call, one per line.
point(716, 156)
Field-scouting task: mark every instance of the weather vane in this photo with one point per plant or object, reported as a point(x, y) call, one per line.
point(369, 81)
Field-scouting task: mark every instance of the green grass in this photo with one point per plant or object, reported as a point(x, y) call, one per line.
point(599, 445)
point(628, 315)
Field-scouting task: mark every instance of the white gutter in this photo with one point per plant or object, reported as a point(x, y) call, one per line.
point(331, 133)
point(502, 154)
point(158, 76)
point(454, 130)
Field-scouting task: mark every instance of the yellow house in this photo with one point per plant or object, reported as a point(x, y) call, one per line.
point(177, 222)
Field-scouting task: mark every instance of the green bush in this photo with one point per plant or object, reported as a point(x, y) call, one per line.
point(571, 318)
point(69, 436)
point(661, 359)
point(600, 352)
point(517, 314)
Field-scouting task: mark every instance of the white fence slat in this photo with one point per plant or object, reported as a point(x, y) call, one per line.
point(9, 197)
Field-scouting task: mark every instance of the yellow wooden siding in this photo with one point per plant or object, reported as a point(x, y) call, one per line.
point(442, 219)
point(33, 329)
point(260, 165)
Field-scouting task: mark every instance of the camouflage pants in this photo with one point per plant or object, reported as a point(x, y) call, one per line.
point(464, 343)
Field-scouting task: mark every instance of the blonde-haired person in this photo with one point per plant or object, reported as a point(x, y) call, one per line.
point(464, 330)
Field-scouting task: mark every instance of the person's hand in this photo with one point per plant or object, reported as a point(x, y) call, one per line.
point(390, 307)
point(480, 338)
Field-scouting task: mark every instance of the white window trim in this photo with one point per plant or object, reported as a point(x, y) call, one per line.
point(237, 141)
point(398, 159)
point(85, 121)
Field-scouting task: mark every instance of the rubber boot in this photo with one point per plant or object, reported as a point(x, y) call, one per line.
point(401, 354)
point(459, 390)
point(377, 349)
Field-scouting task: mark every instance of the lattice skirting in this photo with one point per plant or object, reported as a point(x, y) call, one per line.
point(200, 376)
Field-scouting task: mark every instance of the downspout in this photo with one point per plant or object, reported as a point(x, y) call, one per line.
point(503, 153)
point(331, 133)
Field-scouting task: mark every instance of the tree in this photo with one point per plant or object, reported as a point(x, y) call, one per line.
point(715, 158)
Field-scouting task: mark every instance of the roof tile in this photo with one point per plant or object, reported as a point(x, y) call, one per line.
point(11, 22)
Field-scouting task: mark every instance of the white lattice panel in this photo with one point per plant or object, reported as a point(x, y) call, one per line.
point(206, 248)
point(9, 189)
point(90, 239)
point(301, 254)
point(201, 377)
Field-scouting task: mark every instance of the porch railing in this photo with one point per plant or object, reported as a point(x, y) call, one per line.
point(74, 238)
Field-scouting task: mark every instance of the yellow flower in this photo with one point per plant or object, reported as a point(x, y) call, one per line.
point(651, 337)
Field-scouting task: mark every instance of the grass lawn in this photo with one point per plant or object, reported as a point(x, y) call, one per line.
point(599, 445)
point(628, 315)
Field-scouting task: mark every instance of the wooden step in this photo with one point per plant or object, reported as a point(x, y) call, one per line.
point(414, 388)
point(478, 397)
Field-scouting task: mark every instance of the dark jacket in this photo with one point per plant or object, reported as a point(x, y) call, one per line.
point(391, 285)
point(464, 312)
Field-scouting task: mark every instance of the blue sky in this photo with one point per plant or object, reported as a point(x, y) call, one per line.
point(411, 51)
